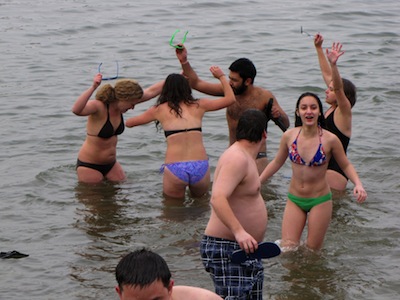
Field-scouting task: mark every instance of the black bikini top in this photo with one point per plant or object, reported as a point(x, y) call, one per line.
point(107, 130)
point(170, 132)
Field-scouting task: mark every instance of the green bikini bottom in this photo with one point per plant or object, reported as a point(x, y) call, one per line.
point(307, 203)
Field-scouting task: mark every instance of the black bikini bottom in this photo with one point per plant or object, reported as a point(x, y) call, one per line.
point(103, 169)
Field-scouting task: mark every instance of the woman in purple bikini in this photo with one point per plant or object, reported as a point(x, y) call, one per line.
point(180, 115)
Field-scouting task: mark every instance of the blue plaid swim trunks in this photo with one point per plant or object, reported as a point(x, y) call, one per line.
point(232, 281)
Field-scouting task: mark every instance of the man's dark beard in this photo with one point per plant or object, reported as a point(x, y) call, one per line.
point(240, 90)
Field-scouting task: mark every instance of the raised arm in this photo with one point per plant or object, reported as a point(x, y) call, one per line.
point(144, 118)
point(196, 83)
point(333, 56)
point(152, 91)
point(229, 97)
point(81, 106)
point(323, 63)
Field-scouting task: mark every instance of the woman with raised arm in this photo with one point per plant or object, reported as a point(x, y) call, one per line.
point(341, 96)
point(97, 158)
point(181, 115)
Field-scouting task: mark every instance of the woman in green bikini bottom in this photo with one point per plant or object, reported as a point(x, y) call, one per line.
point(310, 147)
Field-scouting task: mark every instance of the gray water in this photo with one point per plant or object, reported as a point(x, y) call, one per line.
point(75, 234)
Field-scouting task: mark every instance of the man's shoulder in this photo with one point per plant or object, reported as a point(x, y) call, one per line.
point(193, 293)
point(262, 92)
point(258, 95)
point(233, 150)
point(233, 157)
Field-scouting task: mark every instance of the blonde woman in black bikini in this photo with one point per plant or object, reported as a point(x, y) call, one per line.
point(97, 157)
point(310, 147)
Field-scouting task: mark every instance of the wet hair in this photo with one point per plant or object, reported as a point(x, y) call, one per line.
point(245, 68)
point(142, 267)
point(321, 117)
point(176, 90)
point(350, 91)
point(251, 125)
point(124, 90)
